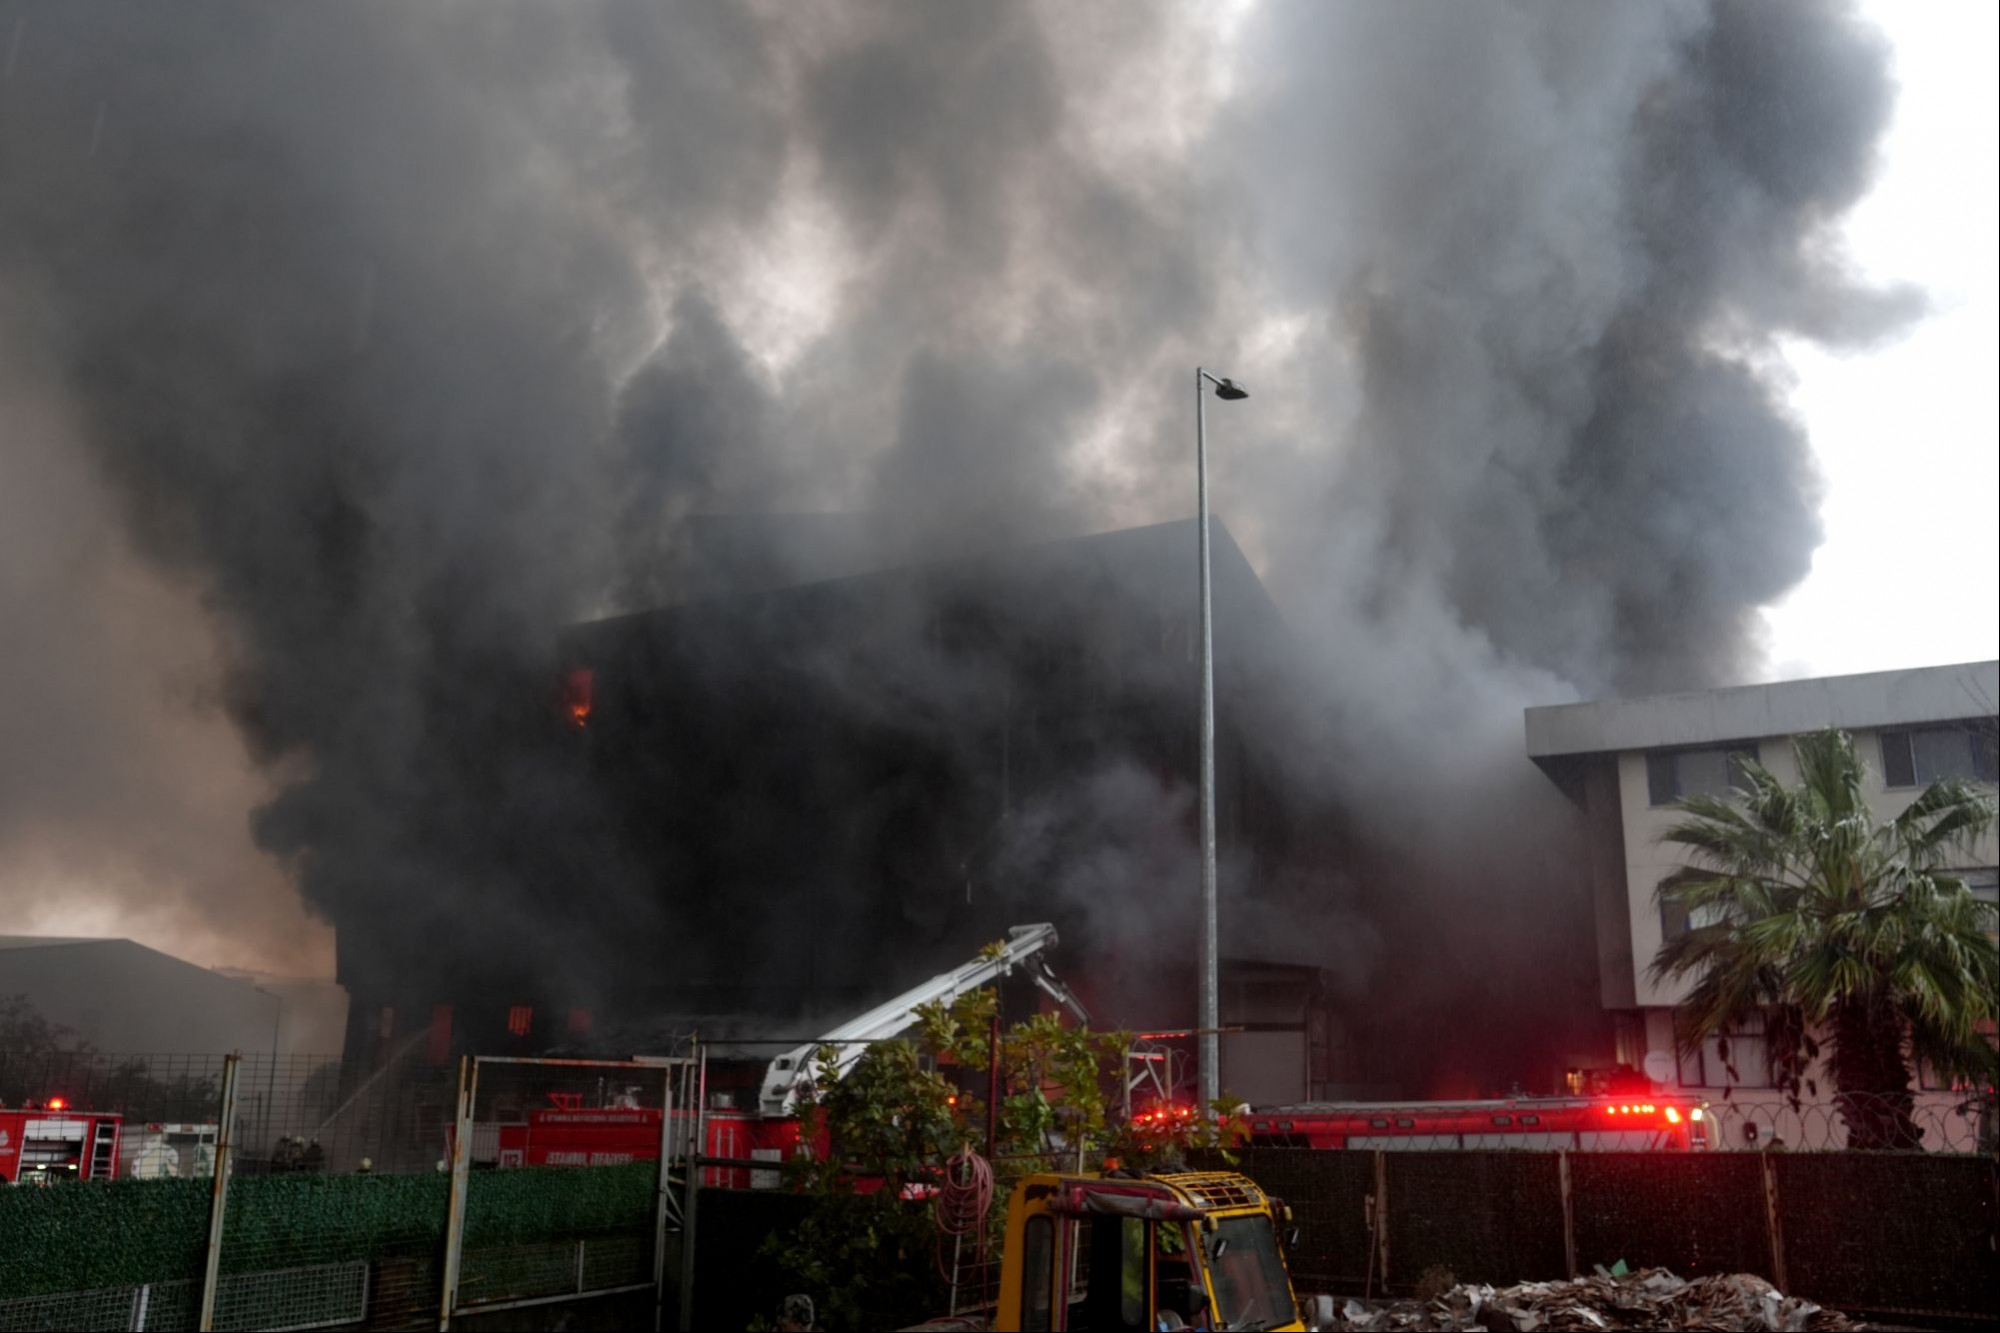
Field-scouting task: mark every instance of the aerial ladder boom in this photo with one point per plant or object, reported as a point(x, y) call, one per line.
point(791, 1072)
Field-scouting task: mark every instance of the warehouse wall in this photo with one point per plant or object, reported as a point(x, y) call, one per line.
point(123, 997)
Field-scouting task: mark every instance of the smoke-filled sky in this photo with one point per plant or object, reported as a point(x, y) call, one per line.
point(348, 351)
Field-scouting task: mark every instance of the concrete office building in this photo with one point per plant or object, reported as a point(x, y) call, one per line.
point(1624, 761)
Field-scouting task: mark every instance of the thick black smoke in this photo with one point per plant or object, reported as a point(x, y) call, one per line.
point(407, 335)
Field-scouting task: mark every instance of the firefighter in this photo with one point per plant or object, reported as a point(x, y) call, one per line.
point(795, 1314)
point(313, 1158)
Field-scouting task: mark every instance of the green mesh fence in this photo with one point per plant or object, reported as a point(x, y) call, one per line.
point(549, 1231)
point(537, 1202)
point(314, 1250)
point(300, 1251)
point(87, 1235)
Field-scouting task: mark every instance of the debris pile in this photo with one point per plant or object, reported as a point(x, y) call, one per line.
point(1651, 1298)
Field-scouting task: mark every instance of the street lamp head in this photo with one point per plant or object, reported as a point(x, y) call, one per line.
point(1229, 390)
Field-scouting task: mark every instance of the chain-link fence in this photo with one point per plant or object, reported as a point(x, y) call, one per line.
point(544, 1185)
point(527, 1228)
point(295, 1113)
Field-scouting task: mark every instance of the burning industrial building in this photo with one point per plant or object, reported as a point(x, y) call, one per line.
point(848, 784)
point(388, 342)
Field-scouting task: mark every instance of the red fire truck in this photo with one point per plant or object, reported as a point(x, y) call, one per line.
point(1656, 1122)
point(569, 1133)
point(44, 1145)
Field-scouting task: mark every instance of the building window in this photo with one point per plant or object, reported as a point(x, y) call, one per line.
point(1037, 1271)
point(1748, 1053)
point(1930, 1080)
point(1919, 756)
point(1984, 884)
point(1672, 775)
point(388, 1022)
point(520, 1019)
point(1676, 920)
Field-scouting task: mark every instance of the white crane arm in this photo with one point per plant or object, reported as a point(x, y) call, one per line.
point(789, 1074)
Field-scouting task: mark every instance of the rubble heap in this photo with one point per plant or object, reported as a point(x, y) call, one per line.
point(1651, 1298)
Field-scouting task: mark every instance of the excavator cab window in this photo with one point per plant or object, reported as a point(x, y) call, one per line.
point(1108, 1285)
point(1174, 1287)
point(1038, 1256)
point(1252, 1289)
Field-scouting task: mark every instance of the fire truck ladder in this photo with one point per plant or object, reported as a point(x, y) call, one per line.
point(792, 1072)
point(103, 1151)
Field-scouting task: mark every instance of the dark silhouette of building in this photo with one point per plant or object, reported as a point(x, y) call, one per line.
point(813, 796)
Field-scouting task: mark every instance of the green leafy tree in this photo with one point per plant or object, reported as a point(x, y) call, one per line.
point(39, 1059)
point(33, 1051)
point(1848, 936)
point(868, 1248)
point(24, 1029)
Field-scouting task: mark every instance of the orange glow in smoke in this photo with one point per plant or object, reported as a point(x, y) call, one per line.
point(577, 690)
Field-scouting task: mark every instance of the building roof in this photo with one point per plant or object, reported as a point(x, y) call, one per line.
point(45, 941)
point(1783, 708)
point(1151, 563)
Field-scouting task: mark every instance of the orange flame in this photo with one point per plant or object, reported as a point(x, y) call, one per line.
point(577, 690)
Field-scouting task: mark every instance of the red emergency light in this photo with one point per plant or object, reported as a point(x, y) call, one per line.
point(59, 1103)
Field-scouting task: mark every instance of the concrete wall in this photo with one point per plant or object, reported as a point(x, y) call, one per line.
point(1647, 861)
point(1783, 708)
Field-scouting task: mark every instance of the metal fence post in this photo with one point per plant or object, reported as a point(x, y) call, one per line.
point(461, 1167)
point(1382, 1216)
point(218, 1197)
point(662, 1193)
point(1569, 1215)
point(697, 1145)
point(1773, 1230)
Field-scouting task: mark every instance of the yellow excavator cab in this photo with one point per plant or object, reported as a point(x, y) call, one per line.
point(1141, 1253)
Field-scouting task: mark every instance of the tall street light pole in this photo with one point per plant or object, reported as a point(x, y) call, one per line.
point(1209, 1021)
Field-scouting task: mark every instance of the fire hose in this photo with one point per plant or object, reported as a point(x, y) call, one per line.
point(964, 1197)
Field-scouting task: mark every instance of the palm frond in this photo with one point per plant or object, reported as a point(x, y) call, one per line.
point(1813, 908)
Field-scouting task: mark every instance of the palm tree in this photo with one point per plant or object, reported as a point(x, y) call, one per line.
point(1839, 930)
